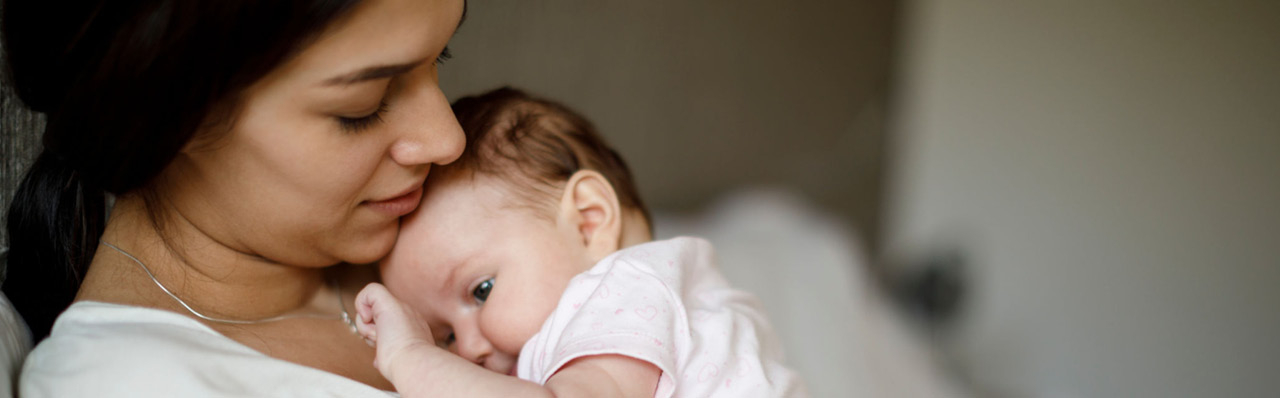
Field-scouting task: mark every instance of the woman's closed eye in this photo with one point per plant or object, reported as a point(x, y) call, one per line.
point(481, 292)
point(445, 55)
point(360, 123)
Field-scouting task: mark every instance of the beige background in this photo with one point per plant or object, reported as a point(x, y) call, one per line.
point(1111, 168)
point(703, 97)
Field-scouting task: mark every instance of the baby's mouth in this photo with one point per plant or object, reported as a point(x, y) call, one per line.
point(515, 365)
point(502, 364)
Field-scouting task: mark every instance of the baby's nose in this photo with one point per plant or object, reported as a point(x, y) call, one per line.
point(479, 360)
point(474, 348)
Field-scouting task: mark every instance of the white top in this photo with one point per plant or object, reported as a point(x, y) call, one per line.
point(665, 303)
point(109, 350)
point(14, 344)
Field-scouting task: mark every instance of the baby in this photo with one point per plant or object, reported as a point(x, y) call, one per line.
point(531, 256)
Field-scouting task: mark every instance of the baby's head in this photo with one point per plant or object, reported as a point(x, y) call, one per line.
point(536, 198)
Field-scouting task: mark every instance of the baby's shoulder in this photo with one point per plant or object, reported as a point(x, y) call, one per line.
point(681, 245)
point(669, 254)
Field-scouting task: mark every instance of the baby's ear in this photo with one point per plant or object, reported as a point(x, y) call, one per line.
point(590, 207)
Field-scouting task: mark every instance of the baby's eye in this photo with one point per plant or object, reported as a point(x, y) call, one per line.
point(481, 292)
point(447, 342)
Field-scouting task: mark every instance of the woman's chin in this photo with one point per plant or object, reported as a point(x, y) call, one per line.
point(372, 254)
point(370, 248)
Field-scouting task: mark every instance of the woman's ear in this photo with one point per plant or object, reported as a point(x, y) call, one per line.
point(589, 207)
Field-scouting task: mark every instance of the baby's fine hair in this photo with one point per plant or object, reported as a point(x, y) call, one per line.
point(537, 143)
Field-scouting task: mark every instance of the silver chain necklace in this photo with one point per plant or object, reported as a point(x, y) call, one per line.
point(345, 317)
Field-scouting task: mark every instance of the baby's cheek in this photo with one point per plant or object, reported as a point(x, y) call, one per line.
point(508, 327)
point(406, 286)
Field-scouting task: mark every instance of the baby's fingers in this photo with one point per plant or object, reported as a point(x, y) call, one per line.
point(367, 329)
point(368, 308)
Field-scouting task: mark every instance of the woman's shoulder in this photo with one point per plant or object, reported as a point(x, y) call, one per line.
point(111, 350)
point(96, 331)
point(100, 347)
point(87, 328)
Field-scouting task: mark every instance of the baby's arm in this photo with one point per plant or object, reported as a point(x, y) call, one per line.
point(409, 358)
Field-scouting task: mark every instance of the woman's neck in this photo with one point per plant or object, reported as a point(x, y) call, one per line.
point(211, 277)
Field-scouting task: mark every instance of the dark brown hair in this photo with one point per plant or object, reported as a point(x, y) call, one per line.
point(537, 143)
point(124, 84)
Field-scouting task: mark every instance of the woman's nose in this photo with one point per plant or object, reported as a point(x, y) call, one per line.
point(428, 131)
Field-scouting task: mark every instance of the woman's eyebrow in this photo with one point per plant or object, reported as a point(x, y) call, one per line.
point(372, 73)
point(384, 71)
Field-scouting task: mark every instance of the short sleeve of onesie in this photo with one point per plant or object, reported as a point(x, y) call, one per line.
point(664, 303)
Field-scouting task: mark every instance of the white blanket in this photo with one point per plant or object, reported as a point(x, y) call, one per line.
point(839, 333)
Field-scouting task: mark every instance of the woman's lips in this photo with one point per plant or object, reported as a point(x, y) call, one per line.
point(398, 206)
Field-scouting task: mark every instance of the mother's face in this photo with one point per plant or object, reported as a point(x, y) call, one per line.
point(327, 151)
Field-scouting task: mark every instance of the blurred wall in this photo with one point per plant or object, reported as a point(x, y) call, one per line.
point(1111, 170)
point(707, 96)
point(19, 145)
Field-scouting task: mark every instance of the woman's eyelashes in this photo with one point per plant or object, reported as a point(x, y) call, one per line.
point(445, 55)
point(481, 292)
point(361, 123)
point(358, 124)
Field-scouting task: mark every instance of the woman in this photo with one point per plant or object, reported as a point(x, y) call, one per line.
point(250, 146)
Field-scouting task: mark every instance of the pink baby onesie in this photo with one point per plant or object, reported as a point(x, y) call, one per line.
point(665, 303)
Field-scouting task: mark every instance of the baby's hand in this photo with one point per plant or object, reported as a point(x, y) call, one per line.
point(393, 328)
